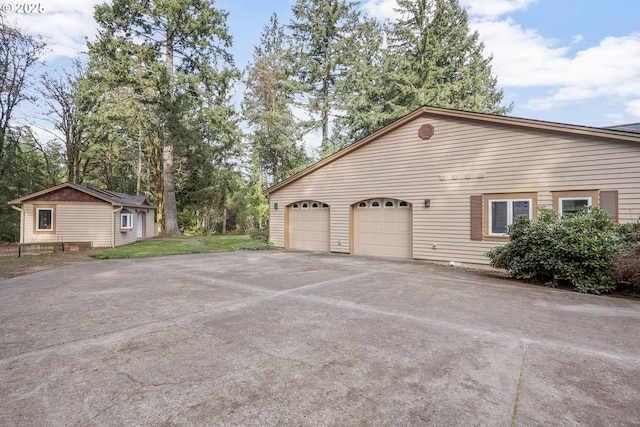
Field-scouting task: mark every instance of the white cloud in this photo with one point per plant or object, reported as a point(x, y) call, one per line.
point(494, 8)
point(381, 9)
point(633, 108)
point(63, 25)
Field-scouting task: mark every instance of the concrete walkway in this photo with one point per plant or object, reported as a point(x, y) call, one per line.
point(287, 338)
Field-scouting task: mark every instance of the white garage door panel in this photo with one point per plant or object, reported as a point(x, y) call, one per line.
point(309, 229)
point(383, 231)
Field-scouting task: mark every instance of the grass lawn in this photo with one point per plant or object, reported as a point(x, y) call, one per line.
point(182, 245)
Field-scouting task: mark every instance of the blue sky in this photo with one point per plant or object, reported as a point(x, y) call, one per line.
point(567, 61)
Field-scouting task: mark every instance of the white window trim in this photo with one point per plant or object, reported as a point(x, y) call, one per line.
point(406, 206)
point(562, 199)
point(509, 213)
point(129, 225)
point(393, 204)
point(38, 219)
point(375, 201)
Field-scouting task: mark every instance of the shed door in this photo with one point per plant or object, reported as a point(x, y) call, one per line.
point(140, 225)
point(383, 227)
point(309, 226)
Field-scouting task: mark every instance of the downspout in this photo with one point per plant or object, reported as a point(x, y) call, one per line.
point(19, 209)
point(113, 226)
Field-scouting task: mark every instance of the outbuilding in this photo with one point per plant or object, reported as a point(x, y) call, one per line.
point(443, 185)
point(80, 213)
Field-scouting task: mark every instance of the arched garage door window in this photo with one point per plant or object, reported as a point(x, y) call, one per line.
point(308, 226)
point(383, 227)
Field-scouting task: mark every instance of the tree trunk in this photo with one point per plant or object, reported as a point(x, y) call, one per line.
point(224, 219)
point(169, 194)
point(169, 184)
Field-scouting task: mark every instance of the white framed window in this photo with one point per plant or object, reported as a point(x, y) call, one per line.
point(389, 204)
point(295, 206)
point(569, 205)
point(325, 206)
point(315, 205)
point(44, 219)
point(362, 205)
point(403, 204)
point(126, 221)
point(375, 203)
point(305, 205)
point(502, 213)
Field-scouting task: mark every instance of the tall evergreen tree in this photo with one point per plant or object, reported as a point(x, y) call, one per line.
point(322, 29)
point(434, 59)
point(177, 48)
point(269, 96)
point(361, 93)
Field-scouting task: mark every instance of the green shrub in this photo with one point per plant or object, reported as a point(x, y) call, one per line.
point(255, 245)
point(260, 235)
point(525, 256)
point(579, 248)
point(630, 234)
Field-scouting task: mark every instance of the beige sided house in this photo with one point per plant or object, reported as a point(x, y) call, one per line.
point(443, 185)
point(79, 213)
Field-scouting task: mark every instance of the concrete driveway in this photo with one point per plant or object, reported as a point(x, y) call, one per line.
point(289, 338)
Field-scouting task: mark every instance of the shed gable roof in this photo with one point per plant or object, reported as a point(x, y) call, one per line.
point(69, 192)
point(610, 134)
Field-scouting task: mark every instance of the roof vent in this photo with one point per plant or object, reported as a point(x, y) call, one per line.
point(425, 131)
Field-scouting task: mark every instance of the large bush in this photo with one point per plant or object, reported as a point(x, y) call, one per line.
point(578, 248)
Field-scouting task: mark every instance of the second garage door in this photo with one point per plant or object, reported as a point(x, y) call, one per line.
point(383, 227)
point(309, 226)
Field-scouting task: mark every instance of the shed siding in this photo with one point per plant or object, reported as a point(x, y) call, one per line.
point(128, 236)
point(463, 158)
point(73, 222)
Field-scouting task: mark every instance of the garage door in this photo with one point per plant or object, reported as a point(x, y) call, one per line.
point(383, 227)
point(309, 226)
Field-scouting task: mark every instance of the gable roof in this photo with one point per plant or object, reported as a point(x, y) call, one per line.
point(113, 197)
point(426, 111)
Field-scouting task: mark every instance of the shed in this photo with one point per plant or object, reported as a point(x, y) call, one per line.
point(80, 213)
point(443, 185)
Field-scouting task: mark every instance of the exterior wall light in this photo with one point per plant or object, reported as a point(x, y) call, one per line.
point(427, 203)
point(275, 206)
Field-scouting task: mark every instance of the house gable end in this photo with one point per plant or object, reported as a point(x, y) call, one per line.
point(67, 195)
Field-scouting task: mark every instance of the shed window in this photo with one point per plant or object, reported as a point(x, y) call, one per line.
point(126, 221)
point(44, 219)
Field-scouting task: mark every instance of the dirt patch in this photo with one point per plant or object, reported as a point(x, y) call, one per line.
point(14, 266)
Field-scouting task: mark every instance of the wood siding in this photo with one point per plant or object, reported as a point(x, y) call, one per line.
point(463, 158)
